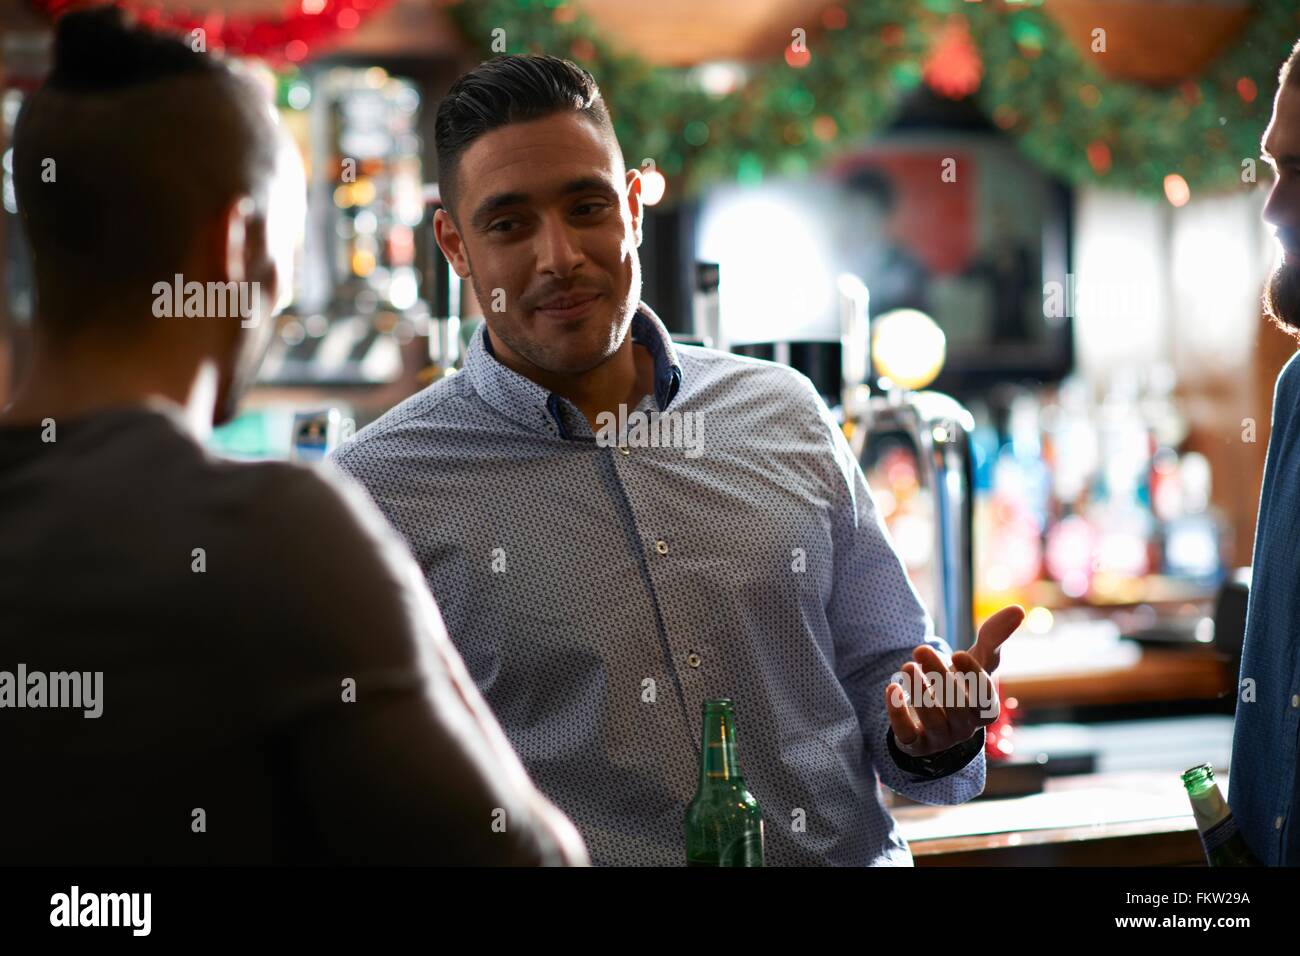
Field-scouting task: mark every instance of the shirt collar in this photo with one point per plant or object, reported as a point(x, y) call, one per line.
point(539, 409)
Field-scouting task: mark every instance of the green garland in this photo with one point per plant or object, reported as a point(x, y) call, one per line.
point(1035, 85)
point(1041, 88)
point(783, 122)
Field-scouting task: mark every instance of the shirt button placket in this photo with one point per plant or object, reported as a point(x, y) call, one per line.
point(661, 548)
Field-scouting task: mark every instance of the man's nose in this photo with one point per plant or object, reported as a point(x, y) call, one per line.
point(558, 247)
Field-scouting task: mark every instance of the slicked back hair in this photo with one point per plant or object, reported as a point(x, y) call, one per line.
point(510, 89)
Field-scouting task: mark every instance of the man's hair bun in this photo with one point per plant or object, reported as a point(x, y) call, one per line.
point(100, 50)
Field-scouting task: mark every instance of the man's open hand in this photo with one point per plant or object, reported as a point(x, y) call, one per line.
point(957, 698)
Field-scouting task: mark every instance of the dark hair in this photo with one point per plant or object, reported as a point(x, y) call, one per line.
point(873, 184)
point(1287, 73)
point(99, 50)
point(132, 142)
point(510, 89)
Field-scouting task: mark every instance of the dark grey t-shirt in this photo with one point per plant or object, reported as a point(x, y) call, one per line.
point(230, 608)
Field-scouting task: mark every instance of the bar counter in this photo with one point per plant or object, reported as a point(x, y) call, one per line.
point(1138, 818)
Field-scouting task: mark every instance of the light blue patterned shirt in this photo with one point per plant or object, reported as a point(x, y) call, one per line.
point(600, 594)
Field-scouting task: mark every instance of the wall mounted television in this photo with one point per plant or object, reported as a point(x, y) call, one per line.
point(941, 212)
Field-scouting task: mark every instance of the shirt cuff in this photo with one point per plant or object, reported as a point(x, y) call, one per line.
point(937, 765)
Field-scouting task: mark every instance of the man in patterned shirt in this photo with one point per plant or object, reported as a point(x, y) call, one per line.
point(617, 528)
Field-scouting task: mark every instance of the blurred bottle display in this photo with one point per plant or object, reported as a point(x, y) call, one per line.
point(1079, 499)
point(377, 191)
point(358, 297)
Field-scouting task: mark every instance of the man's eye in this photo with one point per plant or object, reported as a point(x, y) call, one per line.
point(586, 209)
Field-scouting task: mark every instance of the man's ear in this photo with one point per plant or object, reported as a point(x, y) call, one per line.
point(236, 224)
point(635, 207)
point(450, 242)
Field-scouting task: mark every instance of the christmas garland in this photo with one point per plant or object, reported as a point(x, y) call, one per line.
point(1087, 128)
point(288, 38)
point(1065, 113)
point(838, 85)
point(842, 79)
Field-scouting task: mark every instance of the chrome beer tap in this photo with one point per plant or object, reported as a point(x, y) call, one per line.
point(906, 349)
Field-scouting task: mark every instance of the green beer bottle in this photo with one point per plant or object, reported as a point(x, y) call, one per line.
point(724, 826)
point(1223, 842)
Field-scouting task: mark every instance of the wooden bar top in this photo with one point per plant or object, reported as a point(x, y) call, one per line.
point(1160, 674)
point(1112, 819)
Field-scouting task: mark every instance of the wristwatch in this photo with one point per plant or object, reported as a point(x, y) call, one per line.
point(936, 765)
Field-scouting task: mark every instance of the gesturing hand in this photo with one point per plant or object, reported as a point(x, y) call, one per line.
point(955, 699)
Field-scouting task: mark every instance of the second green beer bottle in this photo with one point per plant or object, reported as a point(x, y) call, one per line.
point(724, 826)
point(1224, 845)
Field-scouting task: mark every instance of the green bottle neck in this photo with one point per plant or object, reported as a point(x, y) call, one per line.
point(718, 764)
point(1199, 780)
point(1208, 805)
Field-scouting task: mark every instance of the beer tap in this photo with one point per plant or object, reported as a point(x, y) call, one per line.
point(443, 291)
point(905, 348)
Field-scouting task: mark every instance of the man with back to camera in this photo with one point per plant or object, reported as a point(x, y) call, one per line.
point(600, 585)
point(261, 675)
point(1263, 790)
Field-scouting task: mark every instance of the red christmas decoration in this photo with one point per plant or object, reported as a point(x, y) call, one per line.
point(298, 32)
point(1099, 157)
point(834, 18)
point(953, 68)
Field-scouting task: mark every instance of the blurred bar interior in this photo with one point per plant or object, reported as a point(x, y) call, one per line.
point(1040, 328)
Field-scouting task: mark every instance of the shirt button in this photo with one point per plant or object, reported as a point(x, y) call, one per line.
point(1295, 700)
point(661, 546)
point(624, 450)
point(693, 659)
point(1277, 824)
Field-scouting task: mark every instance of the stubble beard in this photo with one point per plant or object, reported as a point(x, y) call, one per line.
point(1282, 299)
point(543, 356)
